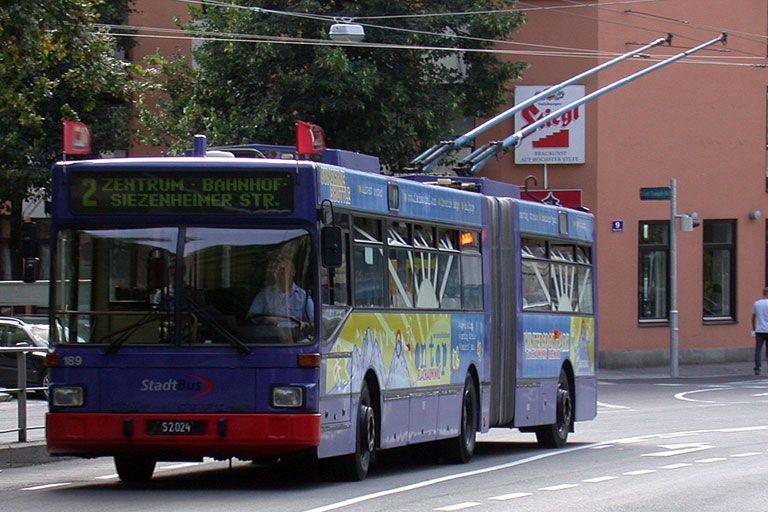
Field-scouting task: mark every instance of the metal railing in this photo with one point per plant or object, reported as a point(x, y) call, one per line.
point(20, 391)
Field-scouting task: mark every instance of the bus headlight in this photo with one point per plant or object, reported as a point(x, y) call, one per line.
point(67, 396)
point(287, 396)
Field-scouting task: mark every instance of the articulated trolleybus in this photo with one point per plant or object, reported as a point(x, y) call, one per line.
point(261, 306)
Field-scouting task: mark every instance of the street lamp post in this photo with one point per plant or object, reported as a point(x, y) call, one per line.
point(674, 328)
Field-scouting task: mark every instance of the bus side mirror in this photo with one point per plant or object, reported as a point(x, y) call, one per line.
point(330, 246)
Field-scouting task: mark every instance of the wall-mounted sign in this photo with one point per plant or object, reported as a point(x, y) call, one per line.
point(617, 226)
point(570, 198)
point(561, 140)
point(655, 193)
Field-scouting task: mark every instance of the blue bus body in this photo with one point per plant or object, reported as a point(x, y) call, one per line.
point(457, 307)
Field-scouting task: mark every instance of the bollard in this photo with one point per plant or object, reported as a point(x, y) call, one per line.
point(21, 383)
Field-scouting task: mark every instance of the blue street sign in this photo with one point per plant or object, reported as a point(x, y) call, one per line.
point(655, 193)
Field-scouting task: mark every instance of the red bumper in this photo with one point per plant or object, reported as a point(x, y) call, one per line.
point(243, 436)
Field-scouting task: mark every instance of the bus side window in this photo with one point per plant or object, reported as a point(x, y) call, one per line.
point(368, 263)
point(333, 281)
point(448, 282)
point(369, 276)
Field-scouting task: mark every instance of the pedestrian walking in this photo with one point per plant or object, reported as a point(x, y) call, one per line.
point(760, 327)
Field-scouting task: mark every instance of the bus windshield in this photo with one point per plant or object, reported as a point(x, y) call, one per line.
point(134, 286)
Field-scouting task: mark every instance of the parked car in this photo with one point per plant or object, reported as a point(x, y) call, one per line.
point(15, 332)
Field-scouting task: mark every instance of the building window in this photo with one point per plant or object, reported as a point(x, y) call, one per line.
point(653, 271)
point(719, 269)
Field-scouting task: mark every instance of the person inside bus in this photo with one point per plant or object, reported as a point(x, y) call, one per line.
point(282, 302)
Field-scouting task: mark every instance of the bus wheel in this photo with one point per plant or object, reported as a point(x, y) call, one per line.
point(556, 435)
point(134, 469)
point(355, 466)
point(460, 449)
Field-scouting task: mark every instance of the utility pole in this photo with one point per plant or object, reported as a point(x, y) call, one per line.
point(688, 221)
point(674, 328)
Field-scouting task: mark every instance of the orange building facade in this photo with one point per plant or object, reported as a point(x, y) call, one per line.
point(701, 121)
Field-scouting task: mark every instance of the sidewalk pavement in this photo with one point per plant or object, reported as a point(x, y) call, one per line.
point(685, 371)
point(15, 454)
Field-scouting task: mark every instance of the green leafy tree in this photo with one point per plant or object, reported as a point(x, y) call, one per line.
point(55, 65)
point(391, 102)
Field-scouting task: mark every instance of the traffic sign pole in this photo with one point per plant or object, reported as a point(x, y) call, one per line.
point(674, 330)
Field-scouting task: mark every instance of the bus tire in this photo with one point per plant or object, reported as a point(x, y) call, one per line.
point(354, 467)
point(134, 469)
point(556, 435)
point(460, 449)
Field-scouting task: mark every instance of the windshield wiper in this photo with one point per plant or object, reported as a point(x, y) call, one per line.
point(212, 322)
point(128, 331)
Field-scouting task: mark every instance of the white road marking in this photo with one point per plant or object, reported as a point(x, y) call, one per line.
point(559, 487)
point(602, 446)
point(743, 429)
point(676, 435)
point(599, 479)
point(682, 396)
point(46, 486)
point(447, 478)
point(678, 449)
point(511, 496)
point(712, 459)
point(178, 466)
point(676, 466)
point(747, 454)
point(460, 506)
point(611, 406)
point(108, 477)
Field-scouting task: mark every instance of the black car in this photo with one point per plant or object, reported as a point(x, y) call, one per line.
point(15, 332)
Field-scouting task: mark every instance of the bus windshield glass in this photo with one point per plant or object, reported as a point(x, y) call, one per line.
point(184, 286)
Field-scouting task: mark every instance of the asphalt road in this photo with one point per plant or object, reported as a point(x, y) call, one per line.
point(658, 444)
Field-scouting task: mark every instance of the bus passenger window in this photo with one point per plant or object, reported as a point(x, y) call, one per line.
point(585, 304)
point(471, 282)
point(448, 285)
point(535, 277)
point(471, 270)
point(562, 252)
point(369, 276)
point(424, 237)
point(367, 230)
point(448, 275)
point(532, 248)
point(400, 265)
point(400, 278)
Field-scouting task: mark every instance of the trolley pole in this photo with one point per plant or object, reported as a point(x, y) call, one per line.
point(674, 329)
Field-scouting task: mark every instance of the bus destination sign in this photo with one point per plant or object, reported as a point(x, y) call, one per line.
point(180, 193)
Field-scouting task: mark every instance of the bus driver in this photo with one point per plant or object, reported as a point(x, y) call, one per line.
point(282, 302)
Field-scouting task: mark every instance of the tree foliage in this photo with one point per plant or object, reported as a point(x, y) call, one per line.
point(391, 102)
point(54, 66)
